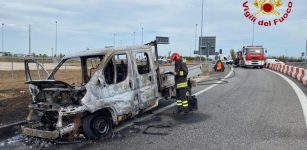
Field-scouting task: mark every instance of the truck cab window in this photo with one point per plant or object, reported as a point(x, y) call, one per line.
point(120, 63)
point(142, 61)
point(121, 67)
point(92, 65)
point(109, 72)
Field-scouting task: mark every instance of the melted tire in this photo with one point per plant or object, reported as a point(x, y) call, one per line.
point(93, 123)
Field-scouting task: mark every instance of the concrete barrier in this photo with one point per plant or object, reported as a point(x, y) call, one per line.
point(267, 65)
point(271, 67)
point(289, 73)
point(278, 67)
point(295, 72)
point(286, 69)
point(300, 74)
point(282, 68)
point(304, 79)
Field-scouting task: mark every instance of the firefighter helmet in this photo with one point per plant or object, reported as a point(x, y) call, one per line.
point(175, 57)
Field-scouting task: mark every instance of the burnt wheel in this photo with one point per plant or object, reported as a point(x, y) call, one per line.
point(97, 125)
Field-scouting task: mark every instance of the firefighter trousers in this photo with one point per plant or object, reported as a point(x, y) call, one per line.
point(182, 102)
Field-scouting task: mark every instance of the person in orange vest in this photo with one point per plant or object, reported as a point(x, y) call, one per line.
point(181, 84)
point(219, 66)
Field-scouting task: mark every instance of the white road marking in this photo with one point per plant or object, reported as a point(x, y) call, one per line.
point(300, 94)
point(213, 85)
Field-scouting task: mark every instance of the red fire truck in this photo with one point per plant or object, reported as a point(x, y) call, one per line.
point(252, 56)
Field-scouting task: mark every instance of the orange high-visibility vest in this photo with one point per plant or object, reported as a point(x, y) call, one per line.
point(219, 66)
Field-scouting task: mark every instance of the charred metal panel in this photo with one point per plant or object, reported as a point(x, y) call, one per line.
point(137, 92)
point(146, 82)
point(118, 96)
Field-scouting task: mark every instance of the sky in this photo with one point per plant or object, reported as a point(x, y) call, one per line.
point(92, 23)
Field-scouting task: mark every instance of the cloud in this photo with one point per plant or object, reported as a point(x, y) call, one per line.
point(27, 7)
point(92, 23)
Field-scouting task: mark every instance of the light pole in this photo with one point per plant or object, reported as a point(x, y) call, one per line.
point(2, 38)
point(29, 39)
point(195, 36)
point(201, 29)
point(133, 38)
point(142, 35)
point(56, 37)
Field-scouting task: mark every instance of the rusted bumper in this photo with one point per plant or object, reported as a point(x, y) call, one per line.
point(47, 134)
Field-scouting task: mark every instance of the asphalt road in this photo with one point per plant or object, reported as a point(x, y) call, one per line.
point(256, 109)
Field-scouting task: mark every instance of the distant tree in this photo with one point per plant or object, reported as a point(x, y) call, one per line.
point(45, 55)
point(232, 54)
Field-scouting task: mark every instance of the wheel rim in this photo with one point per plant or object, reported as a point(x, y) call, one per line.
point(101, 125)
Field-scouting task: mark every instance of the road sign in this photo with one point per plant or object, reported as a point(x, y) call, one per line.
point(162, 40)
point(207, 44)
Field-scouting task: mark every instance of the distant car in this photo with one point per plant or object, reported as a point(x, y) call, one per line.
point(274, 61)
point(162, 60)
point(229, 62)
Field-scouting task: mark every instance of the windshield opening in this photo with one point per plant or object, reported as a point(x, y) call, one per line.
point(70, 72)
point(92, 64)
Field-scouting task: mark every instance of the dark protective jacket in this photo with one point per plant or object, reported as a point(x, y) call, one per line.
point(181, 70)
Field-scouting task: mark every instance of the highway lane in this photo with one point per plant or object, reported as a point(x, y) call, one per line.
point(255, 110)
point(14, 139)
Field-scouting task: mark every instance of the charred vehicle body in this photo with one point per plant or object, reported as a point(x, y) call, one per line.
point(114, 84)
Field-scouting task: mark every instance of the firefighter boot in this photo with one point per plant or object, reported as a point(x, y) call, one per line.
point(185, 107)
point(179, 107)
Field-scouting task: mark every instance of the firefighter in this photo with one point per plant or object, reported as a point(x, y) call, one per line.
point(181, 84)
point(218, 67)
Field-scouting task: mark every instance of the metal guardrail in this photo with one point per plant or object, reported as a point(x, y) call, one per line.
point(297, 64)
point(195, 71)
